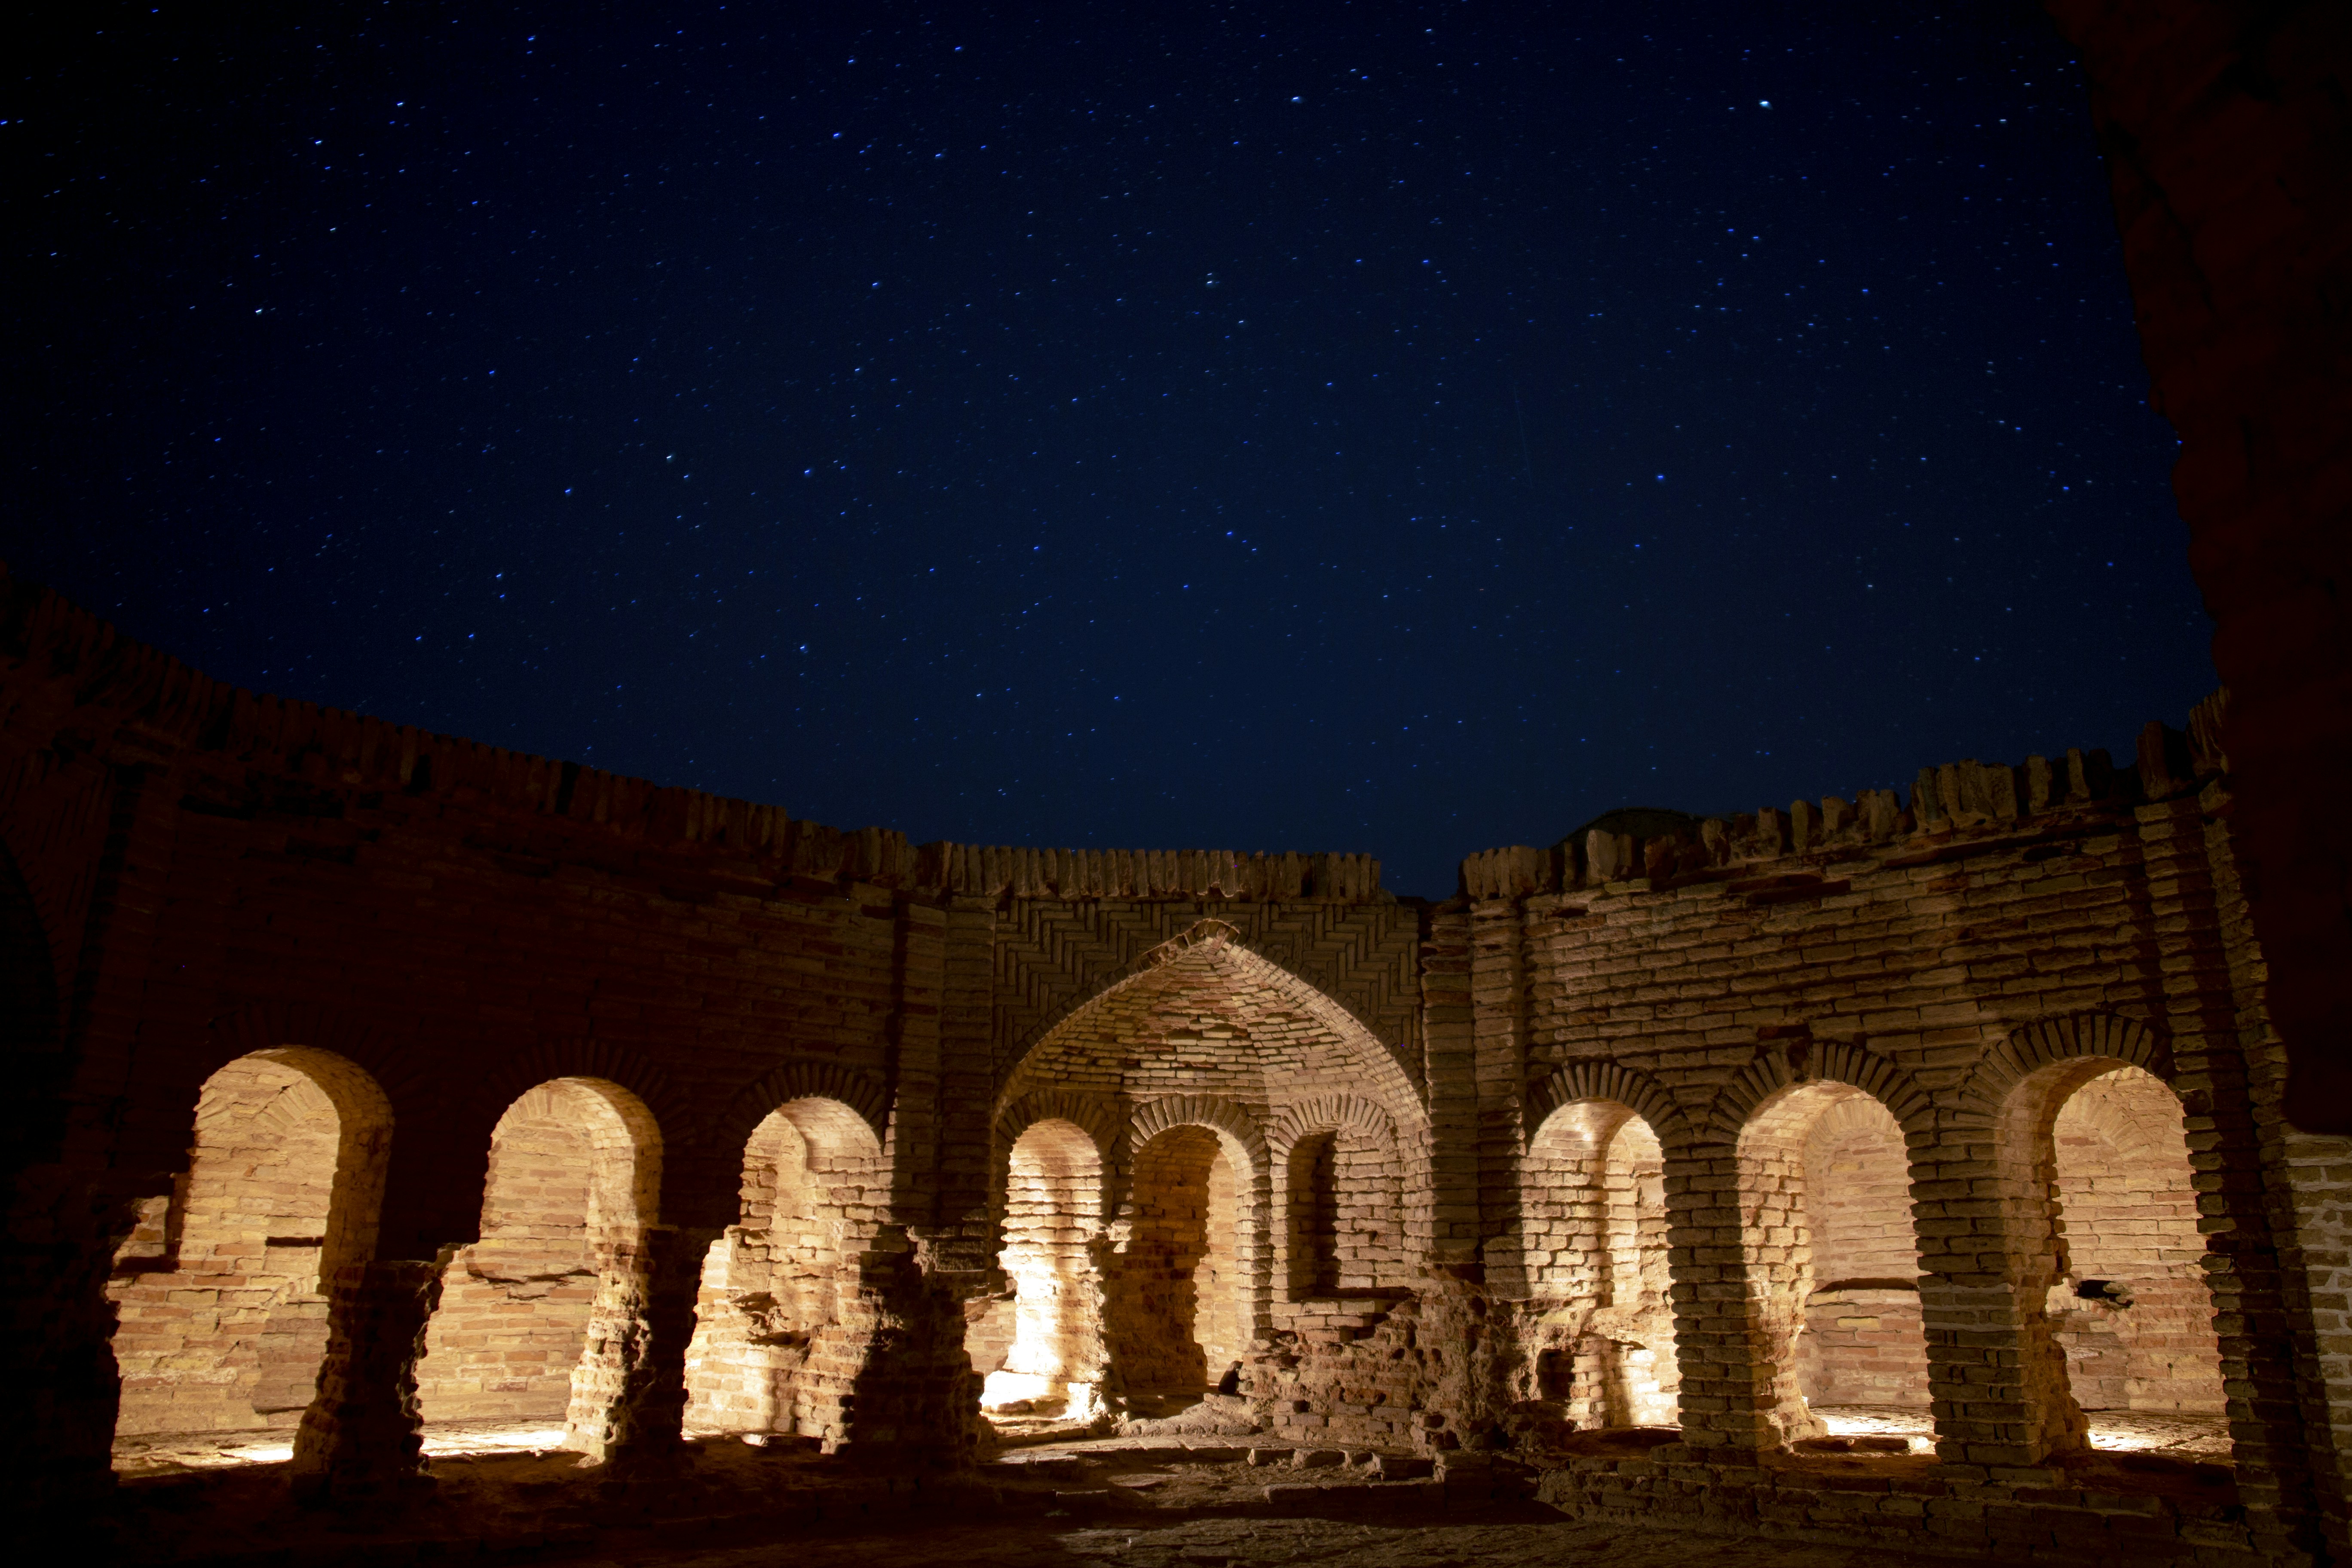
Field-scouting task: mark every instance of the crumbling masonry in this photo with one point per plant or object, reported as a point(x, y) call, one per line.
point(385, 1078)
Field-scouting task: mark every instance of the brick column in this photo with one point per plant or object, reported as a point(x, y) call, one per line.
point(1450, 1042)
point(1727, 1395)
point(362, 1436)
point(1995, 1377)
point(967, 1073)
point(2234, 1118)
point(628, 1393)
point(1498, 1026)
point(914, 1398)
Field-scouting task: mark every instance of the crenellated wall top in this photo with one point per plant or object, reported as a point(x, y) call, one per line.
point(1950, 807)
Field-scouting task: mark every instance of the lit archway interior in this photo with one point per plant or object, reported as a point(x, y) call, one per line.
point(574, 1171)
point(2128, 1303)
point(222, 1290)
point(782, 1285)
point(1593, 1228)
point(1176, 1312)
point(1833, 1260)
point(1040, 1351)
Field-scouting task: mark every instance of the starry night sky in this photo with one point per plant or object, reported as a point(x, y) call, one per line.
point(1401, 428)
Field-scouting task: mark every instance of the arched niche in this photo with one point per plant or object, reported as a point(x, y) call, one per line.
point(782, 1281)
point(1181, 1300)
point(1832, 1256)
point(574, 1176)
point(2105, 1252)
point(1039, 1348)
point(1339, 1173)
point(1593, 1241)
point(221, 1293)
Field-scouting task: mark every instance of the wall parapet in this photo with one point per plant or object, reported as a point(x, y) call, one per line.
point(1953, 804)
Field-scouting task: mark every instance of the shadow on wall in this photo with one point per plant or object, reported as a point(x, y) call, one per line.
point(1176, 1305)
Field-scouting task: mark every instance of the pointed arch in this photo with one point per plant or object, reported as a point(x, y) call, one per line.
point(587, 1058)
point(1327, 1113)
point(1236, 1128)
point(1098, 1118)
point(1388, 1073)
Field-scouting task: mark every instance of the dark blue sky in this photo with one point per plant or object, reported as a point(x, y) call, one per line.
point(1406, 429)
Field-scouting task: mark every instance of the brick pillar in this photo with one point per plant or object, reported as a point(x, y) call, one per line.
point(628, 1393)
point(1499, 1025)
point(2233, 1097)
point(967, 1072)
point(362, 1436)
point(1727, 1393)
point(1451, 1043)
point(913, 1397)
point(1996, 1376)
point(57, 1369)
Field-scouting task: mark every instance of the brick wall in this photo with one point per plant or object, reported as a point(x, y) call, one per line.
point(1809, 1106)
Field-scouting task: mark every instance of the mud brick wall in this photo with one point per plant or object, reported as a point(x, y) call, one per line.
point(1705, 1130)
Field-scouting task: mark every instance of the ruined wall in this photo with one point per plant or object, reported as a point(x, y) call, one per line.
point(1802, 1111)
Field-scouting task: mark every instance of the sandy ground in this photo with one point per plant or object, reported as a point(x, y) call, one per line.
point(1512, 1538)
point(2202, 1437)
point(2112, 1431)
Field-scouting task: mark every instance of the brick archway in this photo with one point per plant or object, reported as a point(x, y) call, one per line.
point(1384, 1068)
